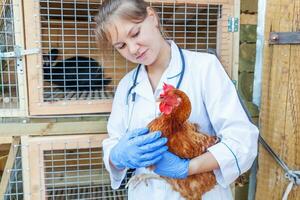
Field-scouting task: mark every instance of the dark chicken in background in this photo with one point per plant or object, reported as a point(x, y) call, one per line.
point(74, 73)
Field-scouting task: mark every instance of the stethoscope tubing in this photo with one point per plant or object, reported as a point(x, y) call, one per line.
point(137, 74)
point(135, 83)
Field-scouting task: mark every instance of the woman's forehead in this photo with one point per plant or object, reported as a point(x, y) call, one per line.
point(118, 29)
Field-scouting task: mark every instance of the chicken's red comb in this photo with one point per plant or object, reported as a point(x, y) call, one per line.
point(168, 87)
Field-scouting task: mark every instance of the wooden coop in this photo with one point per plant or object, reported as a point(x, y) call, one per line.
point(52, 70)
point(68, 28)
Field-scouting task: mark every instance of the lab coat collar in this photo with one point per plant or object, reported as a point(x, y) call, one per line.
point(170, 76)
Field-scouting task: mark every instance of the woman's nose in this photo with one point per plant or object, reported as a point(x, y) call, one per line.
point(133, 48)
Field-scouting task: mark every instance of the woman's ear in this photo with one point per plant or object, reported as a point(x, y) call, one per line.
point(151, 13)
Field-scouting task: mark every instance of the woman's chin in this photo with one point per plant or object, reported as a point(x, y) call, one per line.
point(149, 62)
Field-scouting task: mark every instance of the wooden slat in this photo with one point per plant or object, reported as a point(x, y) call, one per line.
point(9, 165)
point(280, 111)
point(53, 128)
point(33, 61)
point(71, 107)
point(19, 40)
point(25, 167)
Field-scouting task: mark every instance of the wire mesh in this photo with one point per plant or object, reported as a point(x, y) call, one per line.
point(71, 169)
point(78, 174)
point(75, 68)
point(14, 189)
point(9, 94)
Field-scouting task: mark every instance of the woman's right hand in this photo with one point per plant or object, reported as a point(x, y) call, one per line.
point(138, 148)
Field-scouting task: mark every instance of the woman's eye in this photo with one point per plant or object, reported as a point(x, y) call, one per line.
point(121, 46)
point(136, 34)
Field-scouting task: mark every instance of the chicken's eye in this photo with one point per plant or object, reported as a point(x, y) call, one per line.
point(178, 101)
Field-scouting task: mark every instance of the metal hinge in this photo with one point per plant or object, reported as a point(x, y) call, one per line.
point(233, 24)
point(284, 38)
point(19, 52)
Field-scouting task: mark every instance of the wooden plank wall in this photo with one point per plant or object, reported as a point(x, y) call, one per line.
point(280, 104)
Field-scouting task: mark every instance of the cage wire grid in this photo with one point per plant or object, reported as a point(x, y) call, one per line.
point(69, 167)
point(9, 91)
point(72, 170)
point(74, 68)
point(78, 174)
point(14, 188)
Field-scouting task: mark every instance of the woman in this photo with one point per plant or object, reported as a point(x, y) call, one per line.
point(133, 28)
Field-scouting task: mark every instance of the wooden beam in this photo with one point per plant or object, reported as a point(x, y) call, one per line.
point(53, 128)
point(9, 165)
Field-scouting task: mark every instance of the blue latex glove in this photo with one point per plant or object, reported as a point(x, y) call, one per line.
point(138, 148)
point(172, 166)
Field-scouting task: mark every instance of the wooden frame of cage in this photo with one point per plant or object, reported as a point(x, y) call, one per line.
point(32, 158)
point(227, 47)
point(22, 85)
point(9, 164)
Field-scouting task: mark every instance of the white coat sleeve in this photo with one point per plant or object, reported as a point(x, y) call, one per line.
point(237, 149)
point(115, 129)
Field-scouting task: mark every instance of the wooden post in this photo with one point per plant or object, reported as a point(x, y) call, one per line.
point(280, 104)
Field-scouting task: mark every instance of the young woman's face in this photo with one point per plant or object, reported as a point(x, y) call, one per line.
point(137, 42)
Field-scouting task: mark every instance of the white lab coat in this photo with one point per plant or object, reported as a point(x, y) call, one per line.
point(215, 108)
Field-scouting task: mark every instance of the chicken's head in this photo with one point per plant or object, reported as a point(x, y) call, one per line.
point(175, 104)
point(168, 99)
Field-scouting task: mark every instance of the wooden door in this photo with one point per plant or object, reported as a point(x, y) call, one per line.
point(280, 103)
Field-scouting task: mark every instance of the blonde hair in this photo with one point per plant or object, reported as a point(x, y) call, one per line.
point(132, 10)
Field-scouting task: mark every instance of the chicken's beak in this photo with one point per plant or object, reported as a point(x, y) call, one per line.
point(159, 100)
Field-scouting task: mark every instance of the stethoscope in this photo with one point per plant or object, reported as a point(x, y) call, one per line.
point(134, 84)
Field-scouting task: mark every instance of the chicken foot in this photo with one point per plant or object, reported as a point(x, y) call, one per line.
point(137, 179)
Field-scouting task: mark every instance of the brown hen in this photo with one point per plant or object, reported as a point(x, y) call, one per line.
point(184, 140)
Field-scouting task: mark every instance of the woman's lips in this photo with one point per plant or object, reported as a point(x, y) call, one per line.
point(142, 56)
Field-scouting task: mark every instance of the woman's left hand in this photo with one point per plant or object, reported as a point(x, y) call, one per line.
point(172, 166)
